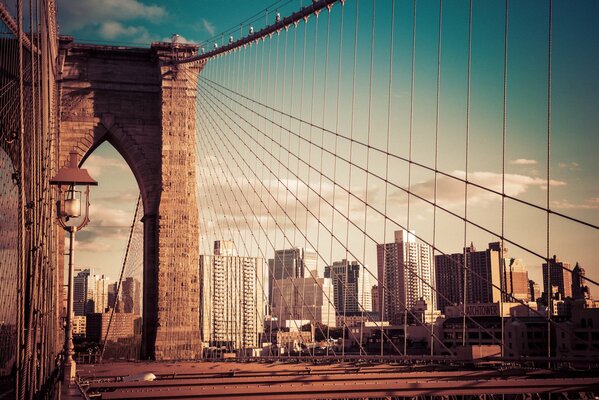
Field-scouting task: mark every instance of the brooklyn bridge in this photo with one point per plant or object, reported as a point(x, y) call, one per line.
point(329, 199)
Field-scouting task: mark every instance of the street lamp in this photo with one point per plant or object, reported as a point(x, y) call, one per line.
point(72, 218)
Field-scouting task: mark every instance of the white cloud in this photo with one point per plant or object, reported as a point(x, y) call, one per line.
point(180, 39)
point(523, 161)
point(113, 30)
point(451, 191)
point(103, 216)
point(123, 197)
point(77, 14)
point(107, 228)
point(222, 204)
point(96, 245)
point(96, 165)
point(588, 204)
point(571, 166)
point(208, 26)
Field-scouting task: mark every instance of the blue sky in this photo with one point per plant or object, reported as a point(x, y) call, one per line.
point(574, 120)
point(142, 22)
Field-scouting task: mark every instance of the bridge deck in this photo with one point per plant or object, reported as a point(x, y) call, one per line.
point(210, 380)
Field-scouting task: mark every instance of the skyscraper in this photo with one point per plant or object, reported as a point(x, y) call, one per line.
point(81, 291)
point(560, 275)
point(535, 290)
point(484, 274)
point(376, 300)
point(515, 277)
point(580, 290)
point(483, 278)
point(112, 288)
point(290, 263)
point(231, 298)
point(352, 286)
point(131, 294)
point(406, 274)
point(90, 292)
point(450, 279)
point(309, 298)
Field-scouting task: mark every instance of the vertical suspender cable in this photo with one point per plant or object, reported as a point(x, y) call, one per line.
point(283, 97)
point(369, 129)
point(269, 289)
point(503, 153)
point(351, 135)
point(297, 188)
point(437, 111)
point(324, 106)
point(380, 290)
point(547, 205)
point(268, 206)
point(407, 257)
point(466, 252)
point(315, 44)
point(291, 94)
point(337, 112)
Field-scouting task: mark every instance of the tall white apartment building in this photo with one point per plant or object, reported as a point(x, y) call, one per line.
point(232, 298)
point(406, 274)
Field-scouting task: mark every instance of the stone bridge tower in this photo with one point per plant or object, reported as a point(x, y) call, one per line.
point(142, 104)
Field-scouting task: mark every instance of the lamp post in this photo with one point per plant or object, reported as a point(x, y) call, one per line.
point(71, 218)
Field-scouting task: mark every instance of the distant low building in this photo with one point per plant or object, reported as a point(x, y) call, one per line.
point(122, 326)
point(293, 341)
point(79, 325)
point(525, 337)
point(422, 314)
point(493, 310)
point(579, 337)
point(480, 331)
point(357, 320)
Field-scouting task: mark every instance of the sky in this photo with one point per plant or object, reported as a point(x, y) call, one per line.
point(355, 103)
